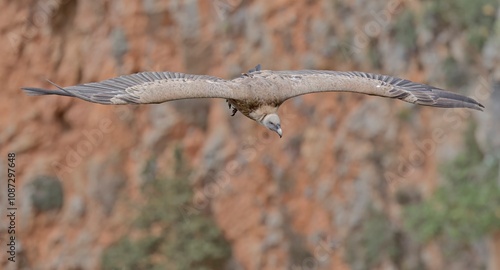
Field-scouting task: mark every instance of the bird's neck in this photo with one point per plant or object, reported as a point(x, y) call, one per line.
point(261, 112)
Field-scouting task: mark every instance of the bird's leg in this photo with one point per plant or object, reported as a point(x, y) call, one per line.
point(232, 108)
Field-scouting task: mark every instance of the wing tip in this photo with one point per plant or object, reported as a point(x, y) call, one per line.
point(480, 107)
point(34, 91)
point(453, 103)
point(447, 99)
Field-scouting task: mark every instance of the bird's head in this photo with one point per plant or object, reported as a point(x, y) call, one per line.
point(273, 123)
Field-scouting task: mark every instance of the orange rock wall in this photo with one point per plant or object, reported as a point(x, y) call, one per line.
point(341, 153)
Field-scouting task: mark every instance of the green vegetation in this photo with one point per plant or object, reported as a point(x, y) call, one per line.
point(476, 18)
point(406, 30)
point(406, 114)
point(47, 193)
point(373, 242)
point(467, 207)
point(172, 238)
point(374, 56)
point(460, 213)
point(455, 75)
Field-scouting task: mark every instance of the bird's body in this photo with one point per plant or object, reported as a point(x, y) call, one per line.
point(258, 93)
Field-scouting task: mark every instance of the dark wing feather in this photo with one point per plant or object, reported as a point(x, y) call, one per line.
point(311, 81)
point(146, 87)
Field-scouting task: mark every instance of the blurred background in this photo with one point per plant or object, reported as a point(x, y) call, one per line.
point(357, 182)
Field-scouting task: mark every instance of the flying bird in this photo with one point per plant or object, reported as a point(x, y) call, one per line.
point(258, 93)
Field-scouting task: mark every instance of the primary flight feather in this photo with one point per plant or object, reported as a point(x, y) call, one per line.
point(258, 93)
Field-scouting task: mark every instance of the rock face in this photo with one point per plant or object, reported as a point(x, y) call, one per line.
point(342, 157)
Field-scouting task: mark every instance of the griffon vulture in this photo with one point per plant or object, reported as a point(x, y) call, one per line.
point(258, 93)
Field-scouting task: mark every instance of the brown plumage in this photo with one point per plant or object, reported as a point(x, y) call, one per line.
point(258, 93)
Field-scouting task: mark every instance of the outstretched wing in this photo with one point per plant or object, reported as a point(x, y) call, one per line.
point(310, 81)
point(147, 87)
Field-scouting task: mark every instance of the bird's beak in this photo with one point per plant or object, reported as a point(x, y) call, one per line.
point(280, 132)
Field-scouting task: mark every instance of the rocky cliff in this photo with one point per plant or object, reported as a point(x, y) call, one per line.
point(357, 182)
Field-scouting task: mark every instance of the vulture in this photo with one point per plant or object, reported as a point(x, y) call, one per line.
point(258, 93)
